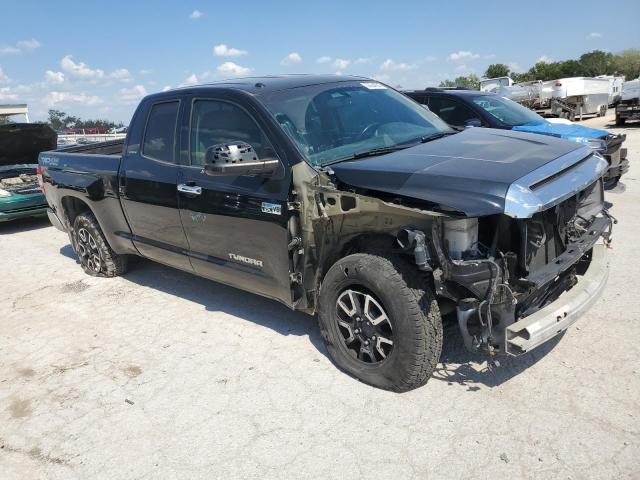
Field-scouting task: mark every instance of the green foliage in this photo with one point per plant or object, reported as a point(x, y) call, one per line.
point(60, 120)
point(627, 63)
point(496, 70)
point(590, 64)
point(470, 82)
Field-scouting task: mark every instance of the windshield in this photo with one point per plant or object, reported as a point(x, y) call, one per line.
point(336, 121)
point(507, 111)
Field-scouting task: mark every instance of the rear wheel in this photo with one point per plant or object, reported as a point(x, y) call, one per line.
point(95, 255)
point(380, 321)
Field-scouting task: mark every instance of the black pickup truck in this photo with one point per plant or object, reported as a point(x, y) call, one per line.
point(341, 196)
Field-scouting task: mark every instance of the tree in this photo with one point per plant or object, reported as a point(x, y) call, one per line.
point(60, 120)
point(627, 63)
point(470, 82)
point(496, 70)
point(597, 63)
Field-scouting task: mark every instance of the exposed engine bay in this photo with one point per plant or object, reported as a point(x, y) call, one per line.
point(21, 183)
point(498, 270)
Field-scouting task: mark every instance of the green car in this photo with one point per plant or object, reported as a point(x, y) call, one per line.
point(20, 144)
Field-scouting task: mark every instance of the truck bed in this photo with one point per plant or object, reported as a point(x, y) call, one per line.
point(110, 147)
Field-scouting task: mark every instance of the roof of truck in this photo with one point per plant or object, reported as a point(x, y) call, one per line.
point(451, 91)
point(260, 85)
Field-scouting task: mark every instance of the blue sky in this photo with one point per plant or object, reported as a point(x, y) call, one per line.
point(97, 59)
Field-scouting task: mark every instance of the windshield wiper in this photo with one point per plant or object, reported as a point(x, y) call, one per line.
point(435, 136)
point(370, 153)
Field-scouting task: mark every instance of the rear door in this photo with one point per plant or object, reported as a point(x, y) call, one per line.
point(236, 226)
point(148, 184)
point(452, 111)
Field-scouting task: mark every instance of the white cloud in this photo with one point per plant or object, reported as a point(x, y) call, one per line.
point(190, 80)
point(196, 14)
point(6, 94)
point(166, 88)
point(545, 59)
point(430, 58)
point(82, 71)
point(463, 55)
point(595, 35)
point(55, 98)
point(23, 46)
point(230, 68)
point(54, 77)
point(461, 68)
point(145, 71)
point(130, 96)
point(3, 77)
point(389, 64)
point(341, 63)
point(293, 57)
point(121, 74)
point(362, 61)
point(324, 59)
point(223, 50)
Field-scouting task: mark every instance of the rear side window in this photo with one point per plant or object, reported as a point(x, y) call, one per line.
point(451, 111)
point(160, 134)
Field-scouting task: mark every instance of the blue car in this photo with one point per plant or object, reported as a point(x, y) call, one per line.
point(470, 108)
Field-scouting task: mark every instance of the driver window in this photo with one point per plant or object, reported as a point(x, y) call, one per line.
point(214, 122)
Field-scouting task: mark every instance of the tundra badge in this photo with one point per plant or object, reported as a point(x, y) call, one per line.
point(273, 208)
point(247, 260)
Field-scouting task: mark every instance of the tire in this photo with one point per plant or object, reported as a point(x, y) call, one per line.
point(414, 322)
point(96, 256)
point(611, 183)
point(620, 121)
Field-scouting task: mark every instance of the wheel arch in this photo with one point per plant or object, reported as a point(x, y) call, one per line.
point(72, 207)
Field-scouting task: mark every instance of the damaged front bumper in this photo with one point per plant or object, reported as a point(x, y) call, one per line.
point(537, 328)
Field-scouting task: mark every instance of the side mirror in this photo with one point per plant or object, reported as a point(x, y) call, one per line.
point(237, 159)
point(473, 122)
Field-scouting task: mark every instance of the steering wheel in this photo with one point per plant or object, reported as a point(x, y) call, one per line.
point(368, 131)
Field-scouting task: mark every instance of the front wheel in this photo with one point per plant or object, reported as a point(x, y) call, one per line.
point(95, 255)
point(380, 321)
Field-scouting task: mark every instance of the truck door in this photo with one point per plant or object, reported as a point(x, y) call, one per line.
point(236, 226)
point(148, 180)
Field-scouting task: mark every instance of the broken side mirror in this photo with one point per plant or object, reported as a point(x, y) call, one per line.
point(237, 159)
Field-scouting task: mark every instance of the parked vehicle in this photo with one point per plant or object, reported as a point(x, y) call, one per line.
point(577, 96)
point(535, 94)
point(615, 88)
point(462, 108)
point(629, 106)
point(341, 196)
point(20, 144)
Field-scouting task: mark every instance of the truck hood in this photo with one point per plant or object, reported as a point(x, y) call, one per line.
point(469, 172)
point(20, 143)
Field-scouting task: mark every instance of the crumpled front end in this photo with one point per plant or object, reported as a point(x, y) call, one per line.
point(520, 278)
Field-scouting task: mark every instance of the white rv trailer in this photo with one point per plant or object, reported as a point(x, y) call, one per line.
point(631, 90)
point(577, 96)
point(615, 87)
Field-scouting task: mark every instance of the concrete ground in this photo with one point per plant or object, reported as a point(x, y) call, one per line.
point(159, 374)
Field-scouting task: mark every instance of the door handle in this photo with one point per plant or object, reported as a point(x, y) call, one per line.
point(189, 189)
